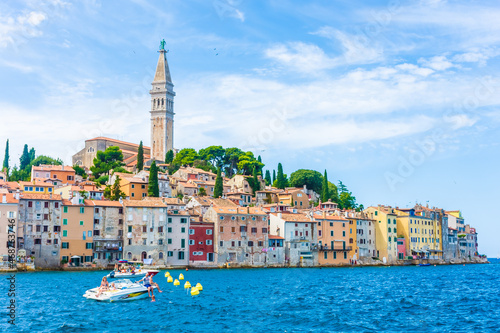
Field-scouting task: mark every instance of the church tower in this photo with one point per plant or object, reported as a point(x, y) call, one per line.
point(162, 108)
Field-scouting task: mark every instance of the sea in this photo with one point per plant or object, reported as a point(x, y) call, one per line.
point(461, 298)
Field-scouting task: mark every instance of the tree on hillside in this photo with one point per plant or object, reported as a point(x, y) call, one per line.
point(268, 178)
point(45, 160)
point(6, 157)
point(325, 193)
point(334, 195)
point(254, 181)
point(342, 188)
point(185, 156)
point(114, 192)
point(247, 163)
point(219, 187)
point(169, 156)
point(213, 155)
point(140, 157)
point(280, 179)
point(231, 159)
point(24, 160)
point(107, 160)
point(153, 188)
point(259, 159)
point(204, 165)
point(79, 171)
point(274, 176)
point(347, 201)
point(202, 192)
point(312, 179)
point(32, 154)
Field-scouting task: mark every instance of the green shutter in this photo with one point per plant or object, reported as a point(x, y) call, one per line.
point(65, 233)
point(65, 221)
point(65, 209)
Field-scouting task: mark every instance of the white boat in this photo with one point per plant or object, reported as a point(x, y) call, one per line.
point(128, 274)
point(123, 290)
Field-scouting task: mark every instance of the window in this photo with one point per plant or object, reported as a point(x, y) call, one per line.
point(160, 255)
point(143, 186)
point(160, 241)
point(169, 220)
point(233, 244)
point(221, 243)
point(183, 230)
point(254, 230)
point(57, 228)
point(334, 255)
point(89, 233)
point(81, 222)
point(209, 231)
point(88, 246)
point(120, 221)
point(144, 228)
point(97, 232)
point(38, 241)
point(250, 243)
point(160, 229)
point(45, 228)
point(191, 242)
point(30, 204)
point(46, 216)
point(222, 217)
point(65, 245)
point(233, 229)
point(46, 204)
point(345, 255)
point(144, 241)
point(260, 243)
point(343, 233)
point(65, 233)
point(183, 220)
point(183, 243)
point(180, 255)
point(264, 230)
point(169, 241)
point(133, 185)
point(170, 254)
point(209, 242)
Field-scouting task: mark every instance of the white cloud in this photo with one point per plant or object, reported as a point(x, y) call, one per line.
point(438, 63)
point(459, 121)
point(16, 29)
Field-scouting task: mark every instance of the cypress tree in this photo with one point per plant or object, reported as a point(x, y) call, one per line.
point(219, 188)
point(32, 154)
point(140, 157)
point(325, 191)
point(259, 159)
point(153, 189)
point(6, 158)
point(268, 177)
point(255, 181)
point(24, 160)
point(274, 176)
point(281, 178)
point(169, 156)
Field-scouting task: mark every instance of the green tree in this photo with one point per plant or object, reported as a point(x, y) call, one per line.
point(202, 192)
point(247, 163)
point(259, 159)
point(281, 181)
point(213, 155)
point(153, 189)
point(342, 188)
point(45, 160)
point(140, 157)
point(219, 187)
point(347, 201)
point(231, 159)
point(312, 179)
point(186, 156)
point(114, 192)
point(79, 171)
point(32, 154)
point(325, 193)
point(169, 156)
point(332, 189)
point(268, 178)
point(6, 157)
point(254, 181)
point(107, 160)
point(24, 160)
point(274, 176)
point(204, 165)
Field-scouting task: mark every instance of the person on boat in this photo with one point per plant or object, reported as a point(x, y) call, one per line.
point(116, 268)
point(104, 286)
point(132, 270)
point(153, 284)
point(146, 282)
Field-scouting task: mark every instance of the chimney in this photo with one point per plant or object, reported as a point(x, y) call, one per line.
point(4, 198)
point(17, 195)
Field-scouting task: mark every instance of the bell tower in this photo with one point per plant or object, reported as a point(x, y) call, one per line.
point(162, 108)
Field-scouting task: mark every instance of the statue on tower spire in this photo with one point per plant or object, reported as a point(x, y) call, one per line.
point(162, 45)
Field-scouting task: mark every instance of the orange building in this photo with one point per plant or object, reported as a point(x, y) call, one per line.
point(135, 188)
point(77, 231)
point(59, 174)
point(333, 238)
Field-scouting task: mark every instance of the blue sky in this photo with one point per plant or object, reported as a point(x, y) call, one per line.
point(398, 99)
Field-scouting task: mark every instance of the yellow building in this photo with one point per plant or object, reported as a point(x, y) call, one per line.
point(385, 232)
point(77, 231)
point(37, 187)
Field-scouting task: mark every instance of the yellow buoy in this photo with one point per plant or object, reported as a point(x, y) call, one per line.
point(194, 291)
point(169, 279)
point(181, 277)
point(187, 285)
point(167, 274)
point(176, 282)
point(199, 286)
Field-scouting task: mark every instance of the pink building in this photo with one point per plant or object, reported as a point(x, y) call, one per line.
point(401, 248)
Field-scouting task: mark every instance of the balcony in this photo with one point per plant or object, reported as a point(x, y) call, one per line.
point(335, 248)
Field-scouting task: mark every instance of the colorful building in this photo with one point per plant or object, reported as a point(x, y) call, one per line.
point(77, 231)
point(385, 232)
point(240, 234)
point(8, 226)
point(177, 235)
point(201, 243)
point(333, 238)
point(37, 187)
point(59, 174)
point(301, 237)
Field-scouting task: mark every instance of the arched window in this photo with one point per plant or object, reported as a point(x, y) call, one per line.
point(162, 101)
point(144, 255)
point(160, 255)
point(129, 255)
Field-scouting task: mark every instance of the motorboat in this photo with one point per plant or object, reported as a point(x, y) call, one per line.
point(128, 273)
point(119, 290)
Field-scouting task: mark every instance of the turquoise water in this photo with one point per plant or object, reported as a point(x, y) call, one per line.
point(442, 298)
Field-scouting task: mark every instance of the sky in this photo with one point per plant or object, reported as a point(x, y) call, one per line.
point(397, 99)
